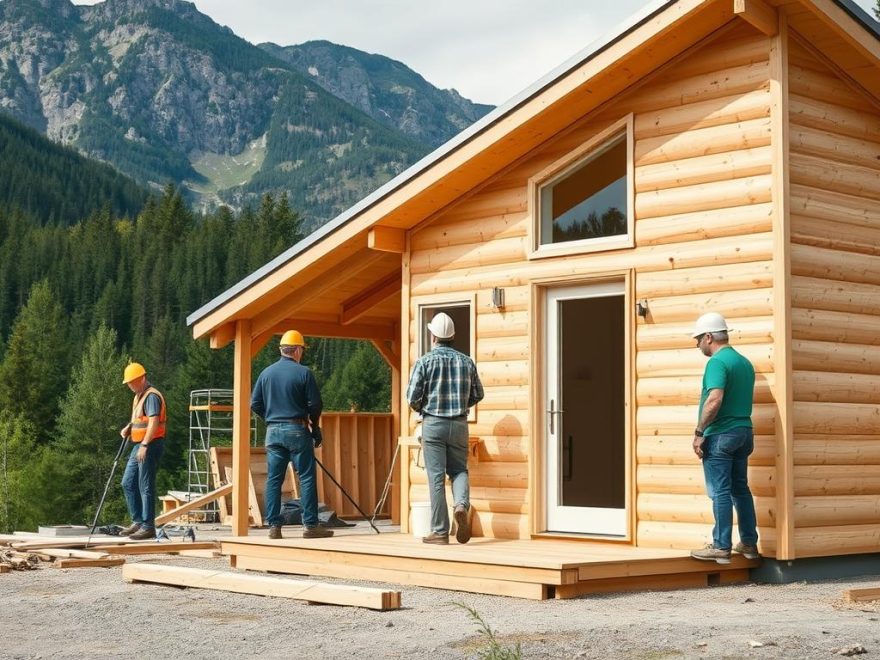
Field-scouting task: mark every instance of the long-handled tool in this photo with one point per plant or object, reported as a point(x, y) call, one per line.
point(338, 485)
point(106, 488)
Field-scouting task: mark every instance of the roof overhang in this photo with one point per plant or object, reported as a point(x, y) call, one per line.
point(368, 235)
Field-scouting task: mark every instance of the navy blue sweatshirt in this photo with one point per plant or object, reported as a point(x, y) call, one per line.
point(287, 390)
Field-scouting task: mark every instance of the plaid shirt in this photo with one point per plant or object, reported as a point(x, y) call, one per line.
point(444, 383)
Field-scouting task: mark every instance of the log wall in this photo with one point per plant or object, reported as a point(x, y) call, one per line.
point(835, 267)
point(703, 240)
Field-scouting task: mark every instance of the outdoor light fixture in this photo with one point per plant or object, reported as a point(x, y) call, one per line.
point(642, 308)
point(498, 297)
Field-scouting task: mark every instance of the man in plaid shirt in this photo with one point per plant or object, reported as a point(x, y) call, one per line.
point(443, 385)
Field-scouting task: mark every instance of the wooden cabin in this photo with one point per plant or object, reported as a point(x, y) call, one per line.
point(715, 155)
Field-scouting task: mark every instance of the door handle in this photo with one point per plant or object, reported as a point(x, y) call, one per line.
point(552, 412)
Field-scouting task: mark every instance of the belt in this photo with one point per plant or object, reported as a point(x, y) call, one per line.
point(299, 421)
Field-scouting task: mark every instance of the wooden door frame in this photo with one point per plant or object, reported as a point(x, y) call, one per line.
point(537, 322)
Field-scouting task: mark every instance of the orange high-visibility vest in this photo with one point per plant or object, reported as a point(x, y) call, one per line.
point(139, 421)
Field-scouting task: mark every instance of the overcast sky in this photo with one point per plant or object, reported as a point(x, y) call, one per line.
point(488, 50)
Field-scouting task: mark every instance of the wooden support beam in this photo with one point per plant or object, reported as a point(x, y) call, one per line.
point(351, 331)
point(241, 428)
point(387, 239)
point(262, 585)
point(223, 335)
point(391, 356)
point(758, 15)
point(194, 504)
point(316, 288)
point(59, 553)
point(258, 342)
point(358, 305)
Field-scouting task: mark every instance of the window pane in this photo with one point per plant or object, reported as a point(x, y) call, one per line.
point(460, 313)
point(589, 202)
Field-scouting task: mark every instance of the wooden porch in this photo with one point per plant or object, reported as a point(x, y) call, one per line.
point(536, 569)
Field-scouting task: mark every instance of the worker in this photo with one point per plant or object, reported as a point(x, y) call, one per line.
point(444, 384)
point(147, 431)
point(286, 396)
point(724, 439)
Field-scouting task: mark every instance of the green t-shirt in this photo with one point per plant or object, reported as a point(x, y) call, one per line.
point(729, 371)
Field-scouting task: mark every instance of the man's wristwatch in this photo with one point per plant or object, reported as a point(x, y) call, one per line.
point(698, 433)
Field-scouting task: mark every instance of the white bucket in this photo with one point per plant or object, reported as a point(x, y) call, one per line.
point(420, 519)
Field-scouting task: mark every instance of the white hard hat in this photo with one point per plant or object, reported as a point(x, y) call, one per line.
point(710, 322)
point(441, 326)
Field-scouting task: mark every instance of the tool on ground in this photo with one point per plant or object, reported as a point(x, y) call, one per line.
point(339, 486)
point(106, 488)
point(165, 533)
point(387, 488)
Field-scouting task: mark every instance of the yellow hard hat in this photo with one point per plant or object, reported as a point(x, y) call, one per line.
point(132, 371)
point(292, 338)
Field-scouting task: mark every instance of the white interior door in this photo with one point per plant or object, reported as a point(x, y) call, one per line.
point(585, 417)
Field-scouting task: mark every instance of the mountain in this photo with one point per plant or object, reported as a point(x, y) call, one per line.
point(164, 94)
point(55, 184)
point(387, 90)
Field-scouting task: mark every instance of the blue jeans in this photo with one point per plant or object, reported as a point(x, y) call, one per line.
point(290, 443)
point(139, 484)
point(725, 464)
point(445, 447)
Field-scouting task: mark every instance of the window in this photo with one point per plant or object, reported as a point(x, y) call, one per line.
point(460, 313)
point(583, 203)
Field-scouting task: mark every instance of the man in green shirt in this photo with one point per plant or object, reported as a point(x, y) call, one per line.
point(724, 439)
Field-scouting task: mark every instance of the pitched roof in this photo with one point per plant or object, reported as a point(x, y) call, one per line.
point(489, 121)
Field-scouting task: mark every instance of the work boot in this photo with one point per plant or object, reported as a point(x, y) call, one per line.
point(317, 533)
point(463, 515)
point(275, 532)
point(711, 553)
point(143, 533)
point(436, 539)
point(747, 551)
point(131, 529)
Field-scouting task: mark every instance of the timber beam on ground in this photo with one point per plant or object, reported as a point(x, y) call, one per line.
point(313, 592)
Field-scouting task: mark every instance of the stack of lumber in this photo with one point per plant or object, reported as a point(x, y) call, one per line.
point(24, 550)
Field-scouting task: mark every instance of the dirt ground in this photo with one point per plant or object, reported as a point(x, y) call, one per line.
point(93, 613)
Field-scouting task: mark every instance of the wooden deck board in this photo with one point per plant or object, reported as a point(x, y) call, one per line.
point(520, 568)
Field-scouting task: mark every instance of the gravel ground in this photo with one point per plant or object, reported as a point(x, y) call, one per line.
point(93, 613)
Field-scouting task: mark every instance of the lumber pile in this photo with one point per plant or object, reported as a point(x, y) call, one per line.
point(861, 595)
point(262, 585)
point(27, 551)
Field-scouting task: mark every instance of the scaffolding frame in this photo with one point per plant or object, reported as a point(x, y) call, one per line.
point(210, 425)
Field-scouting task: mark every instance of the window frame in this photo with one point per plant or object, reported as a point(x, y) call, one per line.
point(564, 166)
point(438, 303)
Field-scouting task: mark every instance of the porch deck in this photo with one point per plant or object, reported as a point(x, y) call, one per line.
point(536, 569)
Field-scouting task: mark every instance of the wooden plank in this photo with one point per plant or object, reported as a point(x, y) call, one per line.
point(73, 554)
point(202, 554)
point(223, 335)
point(436, 581)
point(313, 592)
point(861, 595)
point(640, 583)
point(194, 504)
point(360, 304)
point(5, 568)
point(89, 563)
point(155, 548)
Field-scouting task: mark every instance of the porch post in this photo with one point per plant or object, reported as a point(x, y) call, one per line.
point(241, 428)
point(395, 425)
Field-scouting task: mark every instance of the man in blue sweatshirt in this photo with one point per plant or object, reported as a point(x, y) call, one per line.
point(286, 396)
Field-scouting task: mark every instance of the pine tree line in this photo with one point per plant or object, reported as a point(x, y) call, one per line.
point(76, 303)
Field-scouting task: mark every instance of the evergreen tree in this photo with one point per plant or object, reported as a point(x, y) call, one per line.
point(95, 407)
point(20, 504)
point(34, 369)
point(362, 384)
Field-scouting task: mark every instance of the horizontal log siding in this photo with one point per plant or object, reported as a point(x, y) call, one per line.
point(835, 233)
point(703, 211)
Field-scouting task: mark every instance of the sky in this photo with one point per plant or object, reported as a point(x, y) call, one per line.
point(488, 50)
